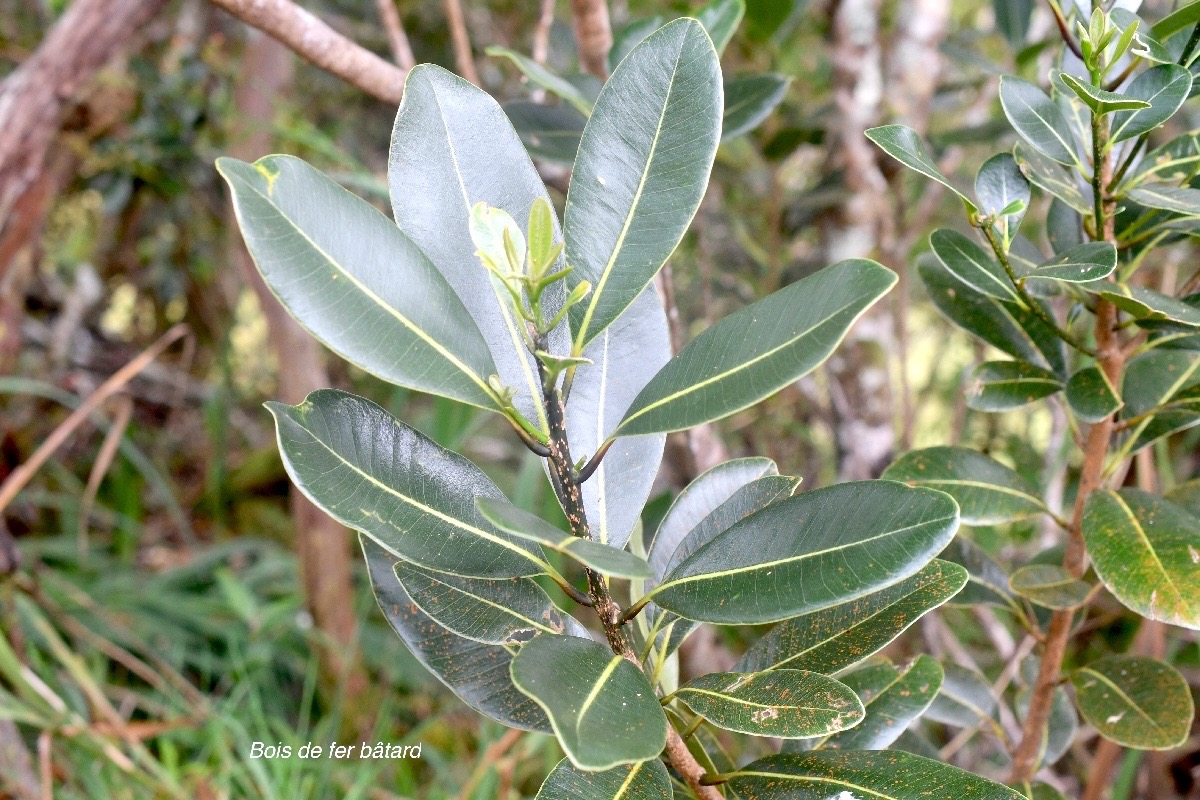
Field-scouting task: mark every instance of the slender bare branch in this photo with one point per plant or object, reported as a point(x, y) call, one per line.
point(22, 474)
point(316, 42)
point(541, 34)
point(397, 38)
point(463, 60)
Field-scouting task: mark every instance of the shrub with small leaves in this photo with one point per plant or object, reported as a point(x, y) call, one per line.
point(1081, 328)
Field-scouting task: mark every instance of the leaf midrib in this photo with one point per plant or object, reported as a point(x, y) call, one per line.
point(609, 670)
point(1124, 697)
point(514, 336)
point(480, 599)
point(695, 387)
point(973, 484)
point(581, 338)
point(405, 321)
point(836, 782)
point(1137, 525)
point(795, 559)
point(849, 631)
point(751, 703)
point(457, 523)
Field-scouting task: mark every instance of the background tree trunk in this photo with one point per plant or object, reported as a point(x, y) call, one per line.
point(871, 220)
point(322, 545)
point(859, 381)
point(33, 101)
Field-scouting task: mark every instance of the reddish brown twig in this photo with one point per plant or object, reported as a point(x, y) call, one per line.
point(397, 38)
point(461, 39)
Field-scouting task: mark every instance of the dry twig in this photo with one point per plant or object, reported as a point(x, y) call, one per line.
point(22, 474)
point(320, 44)
point(397, 38)
point(463, 59)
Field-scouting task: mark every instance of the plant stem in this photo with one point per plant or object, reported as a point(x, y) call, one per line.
point(1111, 358)
point(1019, 284)
point(566, 487)
point(562, 472)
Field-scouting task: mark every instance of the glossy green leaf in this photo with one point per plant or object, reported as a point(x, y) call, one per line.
point(373, 473)
point(540, 76)
point(1099, 100)
point(971, 264)
point(1178, 160)
point(1187, 496)
point(624, 358)
point(987, 582)
point(1005, 326)
point(1037, 119)
point(603, 711)
point(721, 19)
point(698, 500)
point(874, 774)
point(352, 279)
point(1153, 382)
point(893, 697)
point(1138, 702)
point(832, 639)
point(753, 497)
point(814, 550)
point(999, 185)
point(1012, 19)
point(749, 499)
point(784, 703)
point(1183, 17)
point(602, 558)
point(903, 144)
point(987, 492)
point(1154, 378)
point(1091, 395)
point(1005, 385)
point(1147, 552)
point(1146, 305)
point(1180, 199)
point(488, 611)
point(645, 780)
point(1082, 263)
point(477, 673)
point(452, 147)
point(629, 36)
point(749, 100)
point(964, 700)
point(1040, 791)
point(642, 168)
point(1164, 87)
point(1064, 226)
point(755, 352)
point(549, 133)
point(1053, 178)
point(1049, 586)
point(770, 18)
